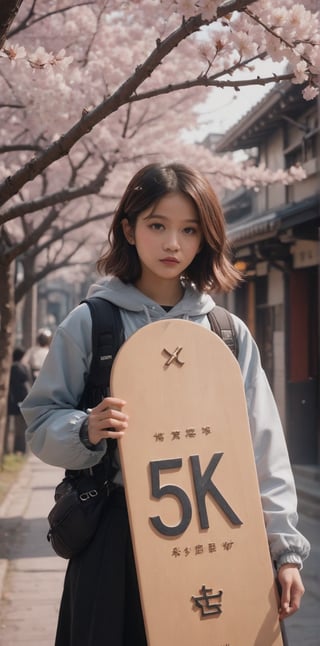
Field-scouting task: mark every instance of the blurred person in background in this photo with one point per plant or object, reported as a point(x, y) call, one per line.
point(19, 386)
point(35, 356)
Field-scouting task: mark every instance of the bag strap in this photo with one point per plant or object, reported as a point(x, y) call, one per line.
point(107, 337)
point(221, 322)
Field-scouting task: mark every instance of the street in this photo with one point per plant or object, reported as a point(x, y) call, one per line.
point(31, 576)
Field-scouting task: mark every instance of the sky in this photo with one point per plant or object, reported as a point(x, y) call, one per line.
point(225, 107)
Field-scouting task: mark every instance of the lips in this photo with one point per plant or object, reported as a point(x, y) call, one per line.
point(170, 261)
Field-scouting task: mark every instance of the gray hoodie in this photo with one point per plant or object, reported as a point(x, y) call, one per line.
point(54, 422)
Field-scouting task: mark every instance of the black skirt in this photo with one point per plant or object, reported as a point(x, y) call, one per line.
point(100, 605)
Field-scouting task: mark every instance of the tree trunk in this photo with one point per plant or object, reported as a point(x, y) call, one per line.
point(8, 12)
point(29, 318)
point(29, 310)
point(7, 337)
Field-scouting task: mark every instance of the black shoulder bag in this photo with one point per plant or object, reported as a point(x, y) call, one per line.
point(81, 496)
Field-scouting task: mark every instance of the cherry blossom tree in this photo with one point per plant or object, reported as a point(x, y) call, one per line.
point(8, 11)
point(91, 90)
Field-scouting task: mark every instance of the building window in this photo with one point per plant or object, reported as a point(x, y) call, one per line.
point(303, 152)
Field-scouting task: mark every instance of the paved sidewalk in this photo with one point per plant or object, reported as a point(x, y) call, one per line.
point(303, 628)
point(30, 573)
point(31, 576)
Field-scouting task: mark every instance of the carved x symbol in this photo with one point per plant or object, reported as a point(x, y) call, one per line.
point(173, 356)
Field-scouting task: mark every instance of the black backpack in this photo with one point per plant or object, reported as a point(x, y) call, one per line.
point(108, 336)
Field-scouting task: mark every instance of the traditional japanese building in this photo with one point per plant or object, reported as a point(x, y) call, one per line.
point(275, 236)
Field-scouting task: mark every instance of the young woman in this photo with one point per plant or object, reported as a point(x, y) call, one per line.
point(167, 250)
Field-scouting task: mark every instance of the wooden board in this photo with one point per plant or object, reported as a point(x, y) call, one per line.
point(199, 540)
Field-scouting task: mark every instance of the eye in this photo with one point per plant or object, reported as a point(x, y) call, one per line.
point(190, 230)
point(156, 226)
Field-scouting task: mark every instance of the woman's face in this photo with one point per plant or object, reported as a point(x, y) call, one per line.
point(167, 237)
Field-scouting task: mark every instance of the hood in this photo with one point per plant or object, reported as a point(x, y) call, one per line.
point(129, 298)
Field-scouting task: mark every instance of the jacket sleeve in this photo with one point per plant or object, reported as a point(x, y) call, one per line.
point(50, 409)
point(276, 482)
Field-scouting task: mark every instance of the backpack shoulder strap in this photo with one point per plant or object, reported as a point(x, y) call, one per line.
point(221, 323)
point(107, 337)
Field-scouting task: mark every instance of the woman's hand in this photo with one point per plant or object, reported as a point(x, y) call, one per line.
point(292, 590)
point(107, 420)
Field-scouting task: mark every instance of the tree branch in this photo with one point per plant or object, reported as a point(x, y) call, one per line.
point(12, 105)
point(271, 31)
point(26, 284)
point(121, 96)
point(14, 251)
point(65, 195)
point(60, 233)
point(26, 23)
point(8, 11)
point(17, 147)
point(203, 81)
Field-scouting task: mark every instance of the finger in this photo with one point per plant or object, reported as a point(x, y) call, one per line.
point(285, 597)
point(99, 430)
point(295, 601)
point(112, 434)
point(287, 612)
point(100, 423)
point(111, 421)
point(110, 402)
point(114, 424)
point(107, 413)
point(290, 601)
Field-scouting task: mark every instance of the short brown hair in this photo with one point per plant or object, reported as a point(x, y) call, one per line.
point(211, 269)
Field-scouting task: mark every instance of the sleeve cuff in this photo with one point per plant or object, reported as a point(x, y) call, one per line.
point(84, 437)
point(289, 557)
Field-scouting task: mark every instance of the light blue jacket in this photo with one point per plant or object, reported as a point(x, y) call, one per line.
point(54, 422)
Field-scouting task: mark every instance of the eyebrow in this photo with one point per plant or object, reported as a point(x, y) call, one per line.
point(157, 216)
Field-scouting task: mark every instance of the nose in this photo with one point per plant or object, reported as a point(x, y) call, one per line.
point(171, 242)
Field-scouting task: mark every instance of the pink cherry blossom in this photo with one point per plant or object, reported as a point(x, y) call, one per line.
point(67, 64)
point(310, 92)
point(13, 52)
point(300, 72)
